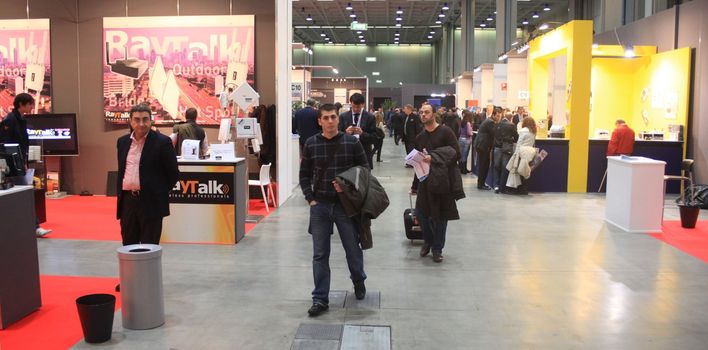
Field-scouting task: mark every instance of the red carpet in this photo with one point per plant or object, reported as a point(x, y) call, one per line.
point(93, 218)
point(56, 324)
point(693, 242)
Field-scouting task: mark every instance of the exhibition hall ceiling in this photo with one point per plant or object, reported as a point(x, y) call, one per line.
point(318, 21)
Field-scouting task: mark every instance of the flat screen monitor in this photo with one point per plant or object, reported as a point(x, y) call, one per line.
point(55, 132)
point(11, 156)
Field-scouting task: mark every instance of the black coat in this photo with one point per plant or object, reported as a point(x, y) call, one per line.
point(13, 129)
point(307, 125)
point(505, 132)
point(485, 135)
point(413, 127)
point(158, 173)
point(367, 123)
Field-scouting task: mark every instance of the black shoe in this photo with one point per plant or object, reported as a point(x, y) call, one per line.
point(437, 257)
point(496, 189)
point(359, 290)
point(484, 188)
point(118, 287)
point(317, 309)
point(424, 250)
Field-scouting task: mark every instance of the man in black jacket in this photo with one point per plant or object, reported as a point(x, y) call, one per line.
point(323, 157)
point(505, 136)
point(483, 143)
point(13, 129)
point(306, 122)
point(412, 126)
point(362, 125)
point(147, 171)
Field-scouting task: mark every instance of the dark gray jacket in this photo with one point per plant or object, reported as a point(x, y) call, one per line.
point(363, 199)
point(444, 177)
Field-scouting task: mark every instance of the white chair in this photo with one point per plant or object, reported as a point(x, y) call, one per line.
point(263, 180)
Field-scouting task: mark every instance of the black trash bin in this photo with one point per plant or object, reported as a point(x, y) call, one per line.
point(689, 215)
point(96, 315)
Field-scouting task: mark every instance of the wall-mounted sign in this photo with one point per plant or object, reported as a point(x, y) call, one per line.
point(173, 63)
point(25, 63)
point(523, 95)
point(359, 26)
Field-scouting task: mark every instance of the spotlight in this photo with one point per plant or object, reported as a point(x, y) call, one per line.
point(304, 48)
point(400, 83)
point(503, 57)
point(535, 15)
point(399, 11)
point(525, 21)
point(595, 45)
point(546, 7)
point(629, 51)
point(445, 7)
point(543, 26)
point(309, 51)
point(441, 14)
point(349, 6)
point(335, 71)
point(309, 18)
point(452, 80)
point(515, 43)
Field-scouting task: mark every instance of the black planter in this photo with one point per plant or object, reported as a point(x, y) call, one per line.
point(689, 215)
point(96, 315)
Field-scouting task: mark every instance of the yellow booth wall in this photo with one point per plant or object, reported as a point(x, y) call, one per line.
point(622, 88)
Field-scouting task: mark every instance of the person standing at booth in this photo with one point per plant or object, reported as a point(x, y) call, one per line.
point(323, 157)
point(483, 143)
point(13, 129)
point(189, 130)
point(622, 140)
point(147, 171)
point(361, 124)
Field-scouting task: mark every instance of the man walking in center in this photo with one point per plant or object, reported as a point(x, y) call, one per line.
point(360, 124)
point(147, 171)
point(435, 204)
point(323, 157)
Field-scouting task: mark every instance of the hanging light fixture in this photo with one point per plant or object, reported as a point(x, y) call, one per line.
point(432, 32)
point(543, 26)
point(525, 21)
point(352, 15)
point(441, 14)
point(445, 7)
point(399, 11)
point(438, 21)
point(490, 18)
point(309, 18)
point(483, 25)
point(535, 15)
point(398, 19)
point(430, 36)
point(323, 34)
point(546, 7)
point(349, 6)
point(397, 34)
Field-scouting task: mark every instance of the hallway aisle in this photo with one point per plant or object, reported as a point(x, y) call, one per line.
point(534, 272)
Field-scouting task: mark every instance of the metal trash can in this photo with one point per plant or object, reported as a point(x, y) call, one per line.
point(141, 286)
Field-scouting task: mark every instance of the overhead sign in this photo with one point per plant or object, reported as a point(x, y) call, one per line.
point(359, 26)
point(173, 63)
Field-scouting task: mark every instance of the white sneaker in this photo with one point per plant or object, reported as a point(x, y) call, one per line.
point(40, 232)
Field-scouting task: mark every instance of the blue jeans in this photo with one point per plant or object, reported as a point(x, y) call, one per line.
point(464, 149)
point(323, 216)
point(433, 232)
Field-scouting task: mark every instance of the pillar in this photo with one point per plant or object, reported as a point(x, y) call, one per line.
point(506, 25)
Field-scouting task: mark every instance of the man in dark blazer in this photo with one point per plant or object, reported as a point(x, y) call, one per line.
point(483, 143)
point(306, 121)
point(361, 124)
point(412, 126)
point(147, 171)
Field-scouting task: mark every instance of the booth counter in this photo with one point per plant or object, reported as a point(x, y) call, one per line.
point(670, 152)
point(209, 202)
point(19, 265)
point(552, 174)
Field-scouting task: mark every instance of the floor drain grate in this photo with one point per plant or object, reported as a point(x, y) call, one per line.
point(319, 331)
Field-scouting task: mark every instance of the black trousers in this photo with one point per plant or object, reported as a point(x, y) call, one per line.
point(483, 168)
point(378, 145)
point(135, 227)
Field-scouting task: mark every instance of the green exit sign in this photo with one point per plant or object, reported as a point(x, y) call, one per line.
point(359, 26)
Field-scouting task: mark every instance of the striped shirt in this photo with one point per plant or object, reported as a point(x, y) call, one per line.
point(314, 154)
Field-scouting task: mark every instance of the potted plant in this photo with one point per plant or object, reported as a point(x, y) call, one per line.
point(689, 208)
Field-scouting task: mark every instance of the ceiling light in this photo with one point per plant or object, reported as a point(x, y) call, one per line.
point(459, 76)
point(400, 83)
point(432, 32)
point(523, 48)
point(398, 24)
point(399, 19)
point(304, 48)
point(629, 51)
point(397, 34)
point(309, 51)
point(358, 31)
point(323, 34)
point(352, 15)
point(309, 18)
point(595, 45)
point(399, 11)
point(438, 22)
point(355, 21)
point(362, 40)
point(445, 7)
point(515, 43)
point(525, 21)
point(495, 12)
point(361, 37)
point(490, 18)
point(482, 25)
point(441, 14)
point(503, 57)
point(452, 80)
point(430, 36)
point(478, 69)
point(349, 6)
point(546, 7)
point(379, 81)
point(543, 26)
point(535, 15)
point(335, 71)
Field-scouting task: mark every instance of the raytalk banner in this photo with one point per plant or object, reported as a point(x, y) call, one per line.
point(24, 63)
point(174, 63)
point(203, 188)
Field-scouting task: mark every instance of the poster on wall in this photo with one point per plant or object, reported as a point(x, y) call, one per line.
point(25, 63)
point(175, 63)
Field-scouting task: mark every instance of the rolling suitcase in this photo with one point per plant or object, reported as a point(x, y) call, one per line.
point(410, 222)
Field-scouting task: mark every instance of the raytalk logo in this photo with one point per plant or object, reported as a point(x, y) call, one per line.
point(195, 188)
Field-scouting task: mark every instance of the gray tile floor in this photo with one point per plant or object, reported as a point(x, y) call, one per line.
point(536, 272)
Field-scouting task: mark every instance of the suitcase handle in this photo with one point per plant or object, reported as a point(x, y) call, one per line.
point(410, 198)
